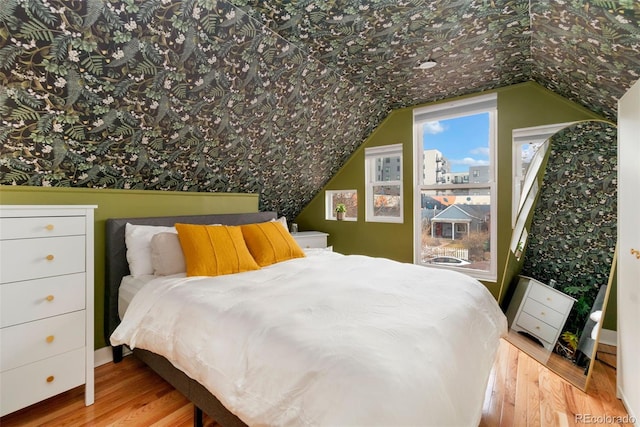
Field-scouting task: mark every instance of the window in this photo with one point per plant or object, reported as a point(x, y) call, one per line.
point(455, 145)
point(383, 191)
point(347, 197)
point(529, 149)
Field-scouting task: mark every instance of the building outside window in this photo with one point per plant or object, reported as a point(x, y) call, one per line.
point(383, 186)
point(454, 199)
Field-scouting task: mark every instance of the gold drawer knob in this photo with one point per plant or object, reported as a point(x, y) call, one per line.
point(542, 313)
point(49, 257)
point(49, 298)
point(49, 227)
point(50, 378)
point(548, 298)
point(537, 327)
point(50, 339)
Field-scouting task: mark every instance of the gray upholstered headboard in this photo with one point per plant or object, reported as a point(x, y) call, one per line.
point(116, 263)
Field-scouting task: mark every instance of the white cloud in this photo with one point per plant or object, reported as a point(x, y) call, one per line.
point(469, 161)
point(484, 151)
point(433, 128)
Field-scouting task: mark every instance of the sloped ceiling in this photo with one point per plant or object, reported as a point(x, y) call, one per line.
point(271, 96)
point(586, 51)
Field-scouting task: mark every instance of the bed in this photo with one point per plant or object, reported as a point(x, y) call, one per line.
point(321, 339)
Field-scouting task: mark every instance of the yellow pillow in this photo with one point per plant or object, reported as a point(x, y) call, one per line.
point(270, 242)
point(214, 250)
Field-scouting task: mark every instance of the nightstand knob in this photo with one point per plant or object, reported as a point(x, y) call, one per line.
point(50, 378)
point(49, 227)
point(50, 339)
point(49, 298)
point(548, 298)
point(49, 257)
point(542, 313)
point(537, 327)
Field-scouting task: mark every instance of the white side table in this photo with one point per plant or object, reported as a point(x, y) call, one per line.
point(311, 239)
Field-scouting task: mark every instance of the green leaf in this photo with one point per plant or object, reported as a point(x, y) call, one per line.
point(93, 64)
point(94, 10)
point(8, 55)
point(147, 10)
point(60, 47)
point(36, 30)
point(42, 11)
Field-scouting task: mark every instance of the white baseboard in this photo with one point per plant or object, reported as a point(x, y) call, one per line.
point(104, 355)
point(609, 337)
point(632, 417)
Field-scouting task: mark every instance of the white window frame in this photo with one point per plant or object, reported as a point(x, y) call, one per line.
point(520, 137)
point(330, 211)
point(370, 155)
point(449, 110)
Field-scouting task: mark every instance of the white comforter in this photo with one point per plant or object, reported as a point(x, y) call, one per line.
point(328, 340)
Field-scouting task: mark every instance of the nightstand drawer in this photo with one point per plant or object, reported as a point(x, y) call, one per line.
point(29, 342)
point(311, 239)
point(34, 258)
point(32, 383)
point(544, 313)
point(551, 298)
point(37, 227)
point(22, 302)
point(537, 327)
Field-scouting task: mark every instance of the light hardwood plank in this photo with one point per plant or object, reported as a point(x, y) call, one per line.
point(521, 392)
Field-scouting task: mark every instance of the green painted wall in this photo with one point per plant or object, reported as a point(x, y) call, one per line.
point(519, 106)
point(126, 203)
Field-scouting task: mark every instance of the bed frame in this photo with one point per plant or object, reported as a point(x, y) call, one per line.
point(117, 267)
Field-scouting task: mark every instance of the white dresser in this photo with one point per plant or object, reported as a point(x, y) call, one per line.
point(46, 303)
point(311, 239)
point(539, 310)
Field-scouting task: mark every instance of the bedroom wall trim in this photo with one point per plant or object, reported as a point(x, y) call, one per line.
point(126, 203)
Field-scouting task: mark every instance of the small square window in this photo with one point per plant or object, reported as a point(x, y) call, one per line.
point(349, 198)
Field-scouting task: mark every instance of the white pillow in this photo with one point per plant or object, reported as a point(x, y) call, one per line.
point(166, 255)
point(138, 241)
point(282, 220)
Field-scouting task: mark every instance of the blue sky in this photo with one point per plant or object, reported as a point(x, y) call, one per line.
point(464, 141)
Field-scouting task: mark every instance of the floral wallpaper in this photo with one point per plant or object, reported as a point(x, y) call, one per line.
point(181, 95)
point(587, 51)
point(378, 44)
point(271, 96)
point(572, 237)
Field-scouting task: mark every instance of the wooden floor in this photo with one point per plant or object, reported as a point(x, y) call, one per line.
point(521, 392)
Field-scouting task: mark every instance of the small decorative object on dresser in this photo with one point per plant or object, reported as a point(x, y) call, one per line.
point(539, 310)
point(311, 239)
point(46, 298)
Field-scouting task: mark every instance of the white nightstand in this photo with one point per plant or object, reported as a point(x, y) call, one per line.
point(311, 239)
point(539, 310)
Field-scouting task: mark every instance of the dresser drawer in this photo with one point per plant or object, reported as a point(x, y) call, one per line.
point(22, 302)
point(29, 342)
point(544, 313)
point(34, 258)
point(537, 327)
point(551, 298)
point(32, 383)
point(29, 228)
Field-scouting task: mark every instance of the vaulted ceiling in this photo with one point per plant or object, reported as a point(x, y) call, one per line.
point(271, 96)
point(587, 51)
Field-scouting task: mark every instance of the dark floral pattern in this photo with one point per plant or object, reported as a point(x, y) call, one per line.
point(587, 51)
point(180, 95)
point(270, 96)
point(573, 233)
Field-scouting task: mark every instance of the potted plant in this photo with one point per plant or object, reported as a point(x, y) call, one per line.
point(341, 208)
